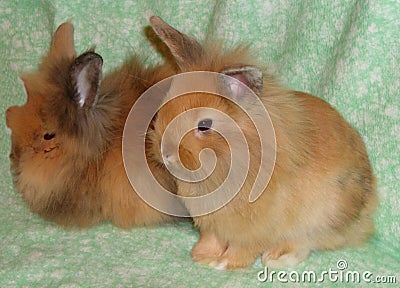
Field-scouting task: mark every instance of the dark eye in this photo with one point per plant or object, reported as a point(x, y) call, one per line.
point(204, 124)
point(49, 136)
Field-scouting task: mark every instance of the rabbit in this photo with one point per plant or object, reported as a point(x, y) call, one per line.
point(322, 192)
point(66, 155)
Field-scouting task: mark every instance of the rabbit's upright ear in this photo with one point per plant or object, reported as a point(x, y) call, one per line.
point(85, 73)
point(251, 76)
point(186, 50)
point(63, 42)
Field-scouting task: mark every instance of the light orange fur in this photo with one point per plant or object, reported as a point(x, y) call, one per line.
point(78, 178)
point(322, 192)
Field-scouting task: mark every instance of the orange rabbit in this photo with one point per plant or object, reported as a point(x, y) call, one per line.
point(322, 192)
point(66, 158)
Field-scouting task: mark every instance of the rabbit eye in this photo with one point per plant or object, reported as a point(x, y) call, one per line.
point(204, 124)
point(49, 136)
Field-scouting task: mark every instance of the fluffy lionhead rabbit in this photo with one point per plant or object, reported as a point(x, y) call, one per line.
point(66, 157)
point(322, 192)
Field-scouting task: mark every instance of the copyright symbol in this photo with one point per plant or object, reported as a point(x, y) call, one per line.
point(341, 264)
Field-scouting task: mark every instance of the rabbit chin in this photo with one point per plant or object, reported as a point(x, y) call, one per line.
point(40, 179)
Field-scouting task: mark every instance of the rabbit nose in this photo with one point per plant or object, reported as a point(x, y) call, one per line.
point(9, 112)
point(168, 158)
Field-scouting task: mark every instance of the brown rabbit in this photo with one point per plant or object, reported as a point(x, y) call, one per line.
point(322, 191)
point(66, 158)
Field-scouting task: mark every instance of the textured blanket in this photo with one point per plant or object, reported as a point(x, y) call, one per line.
point(344, 51)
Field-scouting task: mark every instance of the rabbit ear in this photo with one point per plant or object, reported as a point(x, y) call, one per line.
point(63, 41)
point(251, 76)
point(85, 75)
point(186, 50)
point(27, 80)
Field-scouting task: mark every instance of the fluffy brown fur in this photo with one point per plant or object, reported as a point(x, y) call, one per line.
point(322, 192)
point(66, 160)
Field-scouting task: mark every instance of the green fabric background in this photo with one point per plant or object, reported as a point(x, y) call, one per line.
point(344, 51)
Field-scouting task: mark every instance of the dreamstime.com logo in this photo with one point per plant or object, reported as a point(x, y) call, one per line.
point(341, 274)
point(140, 119)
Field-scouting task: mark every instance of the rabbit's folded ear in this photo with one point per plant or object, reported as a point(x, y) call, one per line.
point(187, 51)
point(63, 42)
point(251, 76)
point(85, 73)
